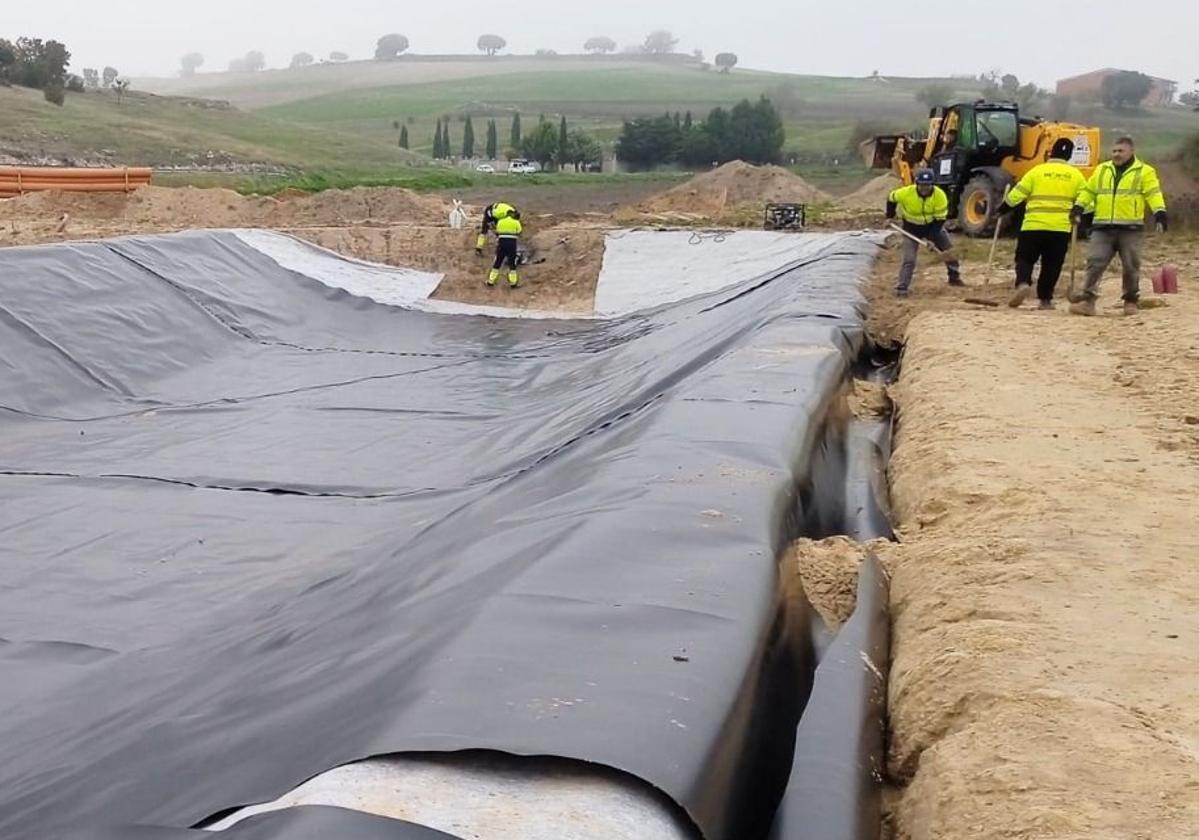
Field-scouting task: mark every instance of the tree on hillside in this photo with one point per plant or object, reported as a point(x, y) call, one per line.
point(660, 42)
point(468, 139)
point(687, 122)
point(255, 61)
point(404, 137)
point(934, 94)
point(338, 55)
point(600, 45)
point(491, 44)
point(302, 59)
point(1126, 89)
point(726, 61)
point(447, 144)
point(8, 59)
point(493, 140)
point(437, 141)
point(514, 138)
point(545, 53)
point(646, 142)
point(91, 77)
point(190, 63)
point(390, 46)
point(583, 150)
point(121, 86)
point(542, 144)
point(110, 76)
point(56, 59)
point(563, 142)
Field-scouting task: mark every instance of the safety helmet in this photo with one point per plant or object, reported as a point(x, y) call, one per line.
point(924, 176)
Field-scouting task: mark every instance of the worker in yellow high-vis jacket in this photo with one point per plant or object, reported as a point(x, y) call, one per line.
point(1118, 193)
point(491, 217)
point(923, 207)
point(507, 249)
point(1048, 192)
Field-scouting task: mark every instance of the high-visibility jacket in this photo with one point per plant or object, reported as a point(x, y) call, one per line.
point(1050, 190)
point(916, 209)
point(508, 228)
point(1118, 199)
point(500, 210)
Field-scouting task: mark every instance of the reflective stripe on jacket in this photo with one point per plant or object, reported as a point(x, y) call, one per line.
point(918, 209)
point(508, 228)
point(1118, 200)
point(1050, 190)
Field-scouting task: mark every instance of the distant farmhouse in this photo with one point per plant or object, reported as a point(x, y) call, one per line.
point(1090, 85)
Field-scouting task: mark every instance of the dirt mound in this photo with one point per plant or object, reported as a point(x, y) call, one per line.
point(166, 208)
point(872, 195)
point(563, 274)
point(735, 185)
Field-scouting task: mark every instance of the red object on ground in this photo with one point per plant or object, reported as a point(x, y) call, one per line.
point(1165, 281)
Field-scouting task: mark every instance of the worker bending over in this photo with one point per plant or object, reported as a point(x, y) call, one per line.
point(923, 207)
point(491, 217)
point(1048, 191)
point(508, 230)
point(1117, 193)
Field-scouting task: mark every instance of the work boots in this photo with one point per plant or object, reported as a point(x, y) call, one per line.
point(493, 276)
point(513, 279)
point(1086, 307)
point(1131, 307)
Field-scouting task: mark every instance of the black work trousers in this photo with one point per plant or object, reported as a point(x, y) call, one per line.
point(505, 252)
point(1048, 246)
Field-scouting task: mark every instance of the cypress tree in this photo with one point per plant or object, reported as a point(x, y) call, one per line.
point(447, 145)
point(468, 139)
point(437, 154)
point(492, 140)
point(404, 137)
point(563, 143)
point(515, 138)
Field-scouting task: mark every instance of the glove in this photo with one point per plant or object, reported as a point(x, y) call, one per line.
point(1076, 214)
point(1161, 222)
point(891, 209)
point(1004, 209)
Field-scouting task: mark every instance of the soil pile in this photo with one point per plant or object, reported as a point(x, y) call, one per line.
point(165, 208)
point(732, 187)
point(872, 195)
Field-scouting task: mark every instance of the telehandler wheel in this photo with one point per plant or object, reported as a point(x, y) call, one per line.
point(978, 206)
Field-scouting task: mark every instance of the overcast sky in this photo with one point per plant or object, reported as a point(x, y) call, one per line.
point(1041, 40)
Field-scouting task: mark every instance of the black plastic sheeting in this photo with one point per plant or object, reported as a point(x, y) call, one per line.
point(304, 823)
point(254, 528)
point(835, 786)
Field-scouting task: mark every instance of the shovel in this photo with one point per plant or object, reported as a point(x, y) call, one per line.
point(1071, 294)
point(995, 238)
point(947, 255)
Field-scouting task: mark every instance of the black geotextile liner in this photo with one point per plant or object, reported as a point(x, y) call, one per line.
point(254, 528)
point(303, 823)
point(835, 787)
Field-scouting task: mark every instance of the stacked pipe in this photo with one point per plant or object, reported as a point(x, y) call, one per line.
point(16, 180)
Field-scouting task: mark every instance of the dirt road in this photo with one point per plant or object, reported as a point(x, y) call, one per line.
point(1046, 586)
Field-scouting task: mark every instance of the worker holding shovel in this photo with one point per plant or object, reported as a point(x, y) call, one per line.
point(923, 208)
point(1048, 191)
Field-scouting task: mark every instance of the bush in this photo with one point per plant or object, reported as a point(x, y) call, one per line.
point(55, 93)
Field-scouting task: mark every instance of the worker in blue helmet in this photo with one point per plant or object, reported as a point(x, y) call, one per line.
point(923, 208)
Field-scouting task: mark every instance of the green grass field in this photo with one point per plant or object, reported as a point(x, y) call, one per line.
point(334, 124)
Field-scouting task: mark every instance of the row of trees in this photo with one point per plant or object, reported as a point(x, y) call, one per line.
point(751, 131)
point(393, 45)
point(38, 64)
point(551, 146)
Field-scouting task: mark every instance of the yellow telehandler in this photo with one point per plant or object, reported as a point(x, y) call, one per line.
point(976, 151)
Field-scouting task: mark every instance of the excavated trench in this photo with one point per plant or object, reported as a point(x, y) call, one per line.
point(580, 625)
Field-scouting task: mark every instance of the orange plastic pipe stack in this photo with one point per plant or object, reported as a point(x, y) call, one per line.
point(15, 180)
